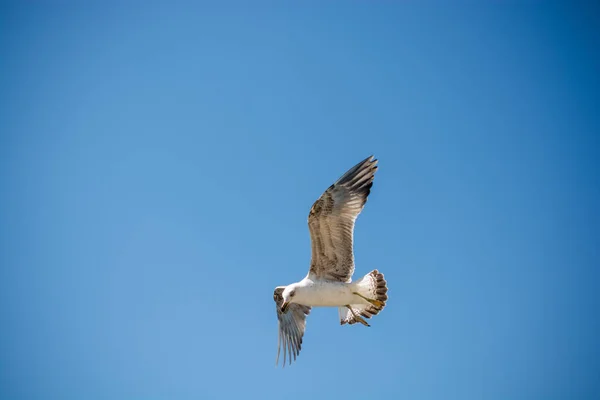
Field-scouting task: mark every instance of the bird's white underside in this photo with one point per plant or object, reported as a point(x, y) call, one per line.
point(322, 293)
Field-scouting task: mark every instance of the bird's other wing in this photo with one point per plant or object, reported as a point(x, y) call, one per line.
point(331, 222)
point(291, 327)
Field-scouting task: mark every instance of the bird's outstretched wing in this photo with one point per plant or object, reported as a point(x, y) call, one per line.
point(291, 327)
point(331, 222)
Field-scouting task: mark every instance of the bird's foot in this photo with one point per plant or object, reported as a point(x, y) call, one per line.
point(376, 303)
point(357, 317)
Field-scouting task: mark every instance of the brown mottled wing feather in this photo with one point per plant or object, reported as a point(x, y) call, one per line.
point(291, 327)
point(331, 222)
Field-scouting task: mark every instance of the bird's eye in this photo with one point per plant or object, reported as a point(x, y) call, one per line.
point(292, 293)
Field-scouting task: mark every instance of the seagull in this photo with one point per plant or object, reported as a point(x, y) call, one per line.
point(329, 280)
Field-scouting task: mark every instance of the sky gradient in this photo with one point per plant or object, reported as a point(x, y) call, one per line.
point(157, 166)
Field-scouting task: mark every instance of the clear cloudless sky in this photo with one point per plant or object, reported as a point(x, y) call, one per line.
point(158, 162)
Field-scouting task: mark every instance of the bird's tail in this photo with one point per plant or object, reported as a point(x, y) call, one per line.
point(372, 292)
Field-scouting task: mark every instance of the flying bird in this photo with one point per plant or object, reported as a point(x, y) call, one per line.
point(329, 280)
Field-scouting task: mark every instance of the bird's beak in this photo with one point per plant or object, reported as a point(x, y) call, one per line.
point(285, 306)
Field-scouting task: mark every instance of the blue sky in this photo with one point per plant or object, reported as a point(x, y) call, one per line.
point(157, 166)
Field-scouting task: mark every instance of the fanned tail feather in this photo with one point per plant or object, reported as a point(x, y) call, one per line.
point(372, 286)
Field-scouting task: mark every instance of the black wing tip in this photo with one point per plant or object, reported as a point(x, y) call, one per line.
point(364, 169)
point(369, 160)
point(360, 177)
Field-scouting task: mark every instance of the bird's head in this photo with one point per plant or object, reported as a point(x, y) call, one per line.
point(288, 297)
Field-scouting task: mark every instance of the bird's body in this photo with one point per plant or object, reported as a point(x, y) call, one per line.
point(329, 280)
point(325, 293)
